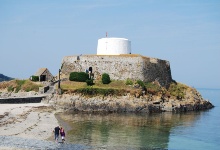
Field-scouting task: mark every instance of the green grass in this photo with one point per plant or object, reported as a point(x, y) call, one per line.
point(72, 85)
point(10, 88)
point(18, 85)
point(176, 90)
point(129, 82)
point(98, 91)
point(113, 88)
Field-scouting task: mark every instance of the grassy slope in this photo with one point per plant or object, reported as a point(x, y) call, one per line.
point(20, 85)
point(176, 90)
point(72, 85)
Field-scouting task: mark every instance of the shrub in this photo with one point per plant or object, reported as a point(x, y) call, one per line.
point(89, 82)
point(105, 78)
point(35, 78)
point(73, 76)
point(129, 82)
point(177, 90)
point(152, 88)
point(82, 76)
point(78, 76)
point(141, 83)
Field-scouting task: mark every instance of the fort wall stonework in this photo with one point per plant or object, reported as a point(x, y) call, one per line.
point(120, 67)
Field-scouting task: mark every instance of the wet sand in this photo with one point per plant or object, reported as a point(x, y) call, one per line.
point(30, 126)
point(34, 121)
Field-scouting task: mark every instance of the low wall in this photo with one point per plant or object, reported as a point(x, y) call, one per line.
point(44, 89)
point(18, 100)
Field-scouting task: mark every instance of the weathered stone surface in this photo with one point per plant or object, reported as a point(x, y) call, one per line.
point(18, 100)
point(19, 94)
point(144, 104)
point(120, 67)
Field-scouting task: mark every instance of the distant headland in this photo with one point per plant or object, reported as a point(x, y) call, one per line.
point(4, 78)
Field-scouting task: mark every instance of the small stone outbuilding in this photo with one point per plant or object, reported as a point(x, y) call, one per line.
point(44, 74)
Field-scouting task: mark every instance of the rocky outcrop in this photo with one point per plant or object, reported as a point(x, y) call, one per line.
point(130, 102)
point(142, 104)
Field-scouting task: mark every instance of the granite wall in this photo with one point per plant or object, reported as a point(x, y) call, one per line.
point(120, 67)
point(18, 100)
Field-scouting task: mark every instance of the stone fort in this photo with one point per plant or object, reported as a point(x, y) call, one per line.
point(114, 58)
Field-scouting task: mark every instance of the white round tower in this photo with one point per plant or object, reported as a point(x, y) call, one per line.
point(113, 46)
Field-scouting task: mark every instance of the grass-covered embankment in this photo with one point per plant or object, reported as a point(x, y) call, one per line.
point(120, 88)
point(20, 85)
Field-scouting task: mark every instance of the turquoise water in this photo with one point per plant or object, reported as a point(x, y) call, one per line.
point(193, 130)
point(203, 133)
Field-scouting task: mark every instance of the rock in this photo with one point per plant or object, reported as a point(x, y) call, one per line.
point(136, 102)
point(167, 106)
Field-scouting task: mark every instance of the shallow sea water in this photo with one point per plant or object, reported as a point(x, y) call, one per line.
point(192, 130)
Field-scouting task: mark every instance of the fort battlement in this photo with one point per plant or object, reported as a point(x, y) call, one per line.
point(120, 67)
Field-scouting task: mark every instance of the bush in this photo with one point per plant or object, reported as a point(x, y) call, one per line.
point(35, 78)
point(129, 82)
point(78, 76)
point(105, 78)
point(89, 82)
point(152, 88)
point(73, 76)
point(82, 76)
point(177, 90)
point(141, 83)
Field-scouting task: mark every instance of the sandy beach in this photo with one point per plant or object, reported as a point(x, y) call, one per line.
point(34, 121)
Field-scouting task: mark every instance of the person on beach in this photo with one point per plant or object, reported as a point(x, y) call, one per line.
point(62, 133)
point(56, 133)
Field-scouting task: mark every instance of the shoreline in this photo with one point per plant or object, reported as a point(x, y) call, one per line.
point(119, 104)
point(33, 119)
point(30, 126)
point(30, 122)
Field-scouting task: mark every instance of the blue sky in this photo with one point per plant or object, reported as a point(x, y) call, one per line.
point(39, 33)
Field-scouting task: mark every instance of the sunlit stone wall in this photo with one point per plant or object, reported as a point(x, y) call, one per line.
point(120, 67)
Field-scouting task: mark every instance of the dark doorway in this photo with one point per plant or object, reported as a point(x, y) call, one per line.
point(43, 78)
point(90, 69)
